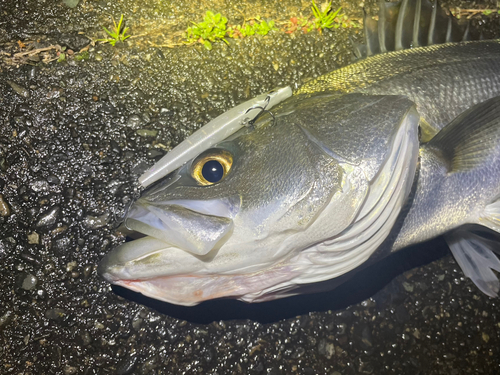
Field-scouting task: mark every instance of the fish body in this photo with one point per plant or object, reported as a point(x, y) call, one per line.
point(334, 180)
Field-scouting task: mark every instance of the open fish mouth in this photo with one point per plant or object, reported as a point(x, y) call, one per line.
point(166, 273)
point(192, 231)
point(179, 234)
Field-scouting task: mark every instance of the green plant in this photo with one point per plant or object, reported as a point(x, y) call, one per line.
point(117, 35)
point(242, 31)
point(82, 56)
point(256, 26)
point(263, 27)
point(324, 18)
point(213, 28)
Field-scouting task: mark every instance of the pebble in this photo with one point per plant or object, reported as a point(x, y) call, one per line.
point(71, 3)
point(134, 122)
point(86, 338)
point(29, 282)
point(115, 147)
point(4, 207)
point(5, 319)
point(53, 179)
point(126, 366)
point(40, 185)
point(70, 370)
point(95, 222)
point(87, 270)
point(20, 90)
point(326, 348)
point(33, 238)
point(147, 133)
point(154, 153)
point(49, 217)
point(55, 314)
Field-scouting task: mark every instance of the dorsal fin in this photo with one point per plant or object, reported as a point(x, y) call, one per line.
point(409, 24)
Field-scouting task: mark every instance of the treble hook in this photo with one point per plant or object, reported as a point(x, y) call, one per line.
point(263, 110)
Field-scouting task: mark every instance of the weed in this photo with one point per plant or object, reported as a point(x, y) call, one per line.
point(263, 27)
point(324, 18)
point(213, 28)
point(82, 56)
point(117, 35)
point(256, 26)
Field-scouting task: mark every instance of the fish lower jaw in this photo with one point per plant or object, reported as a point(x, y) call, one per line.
point(191, 289)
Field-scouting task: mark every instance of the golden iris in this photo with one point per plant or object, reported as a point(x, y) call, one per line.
point(211, 167)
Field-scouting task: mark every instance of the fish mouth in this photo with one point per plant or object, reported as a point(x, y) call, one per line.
point(181, 235)
point(157, 270)
point(182, 274)
point(192, 231)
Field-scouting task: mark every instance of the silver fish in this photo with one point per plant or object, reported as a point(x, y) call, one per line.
point(338, 178)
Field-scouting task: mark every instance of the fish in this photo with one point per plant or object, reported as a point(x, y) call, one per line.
point(395, 149)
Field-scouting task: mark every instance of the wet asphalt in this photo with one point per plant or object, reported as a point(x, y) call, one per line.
point(74, 137)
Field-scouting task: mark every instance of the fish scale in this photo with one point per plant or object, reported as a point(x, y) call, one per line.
point(454, 75)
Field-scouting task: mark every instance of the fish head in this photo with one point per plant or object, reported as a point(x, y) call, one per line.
point(233, 221)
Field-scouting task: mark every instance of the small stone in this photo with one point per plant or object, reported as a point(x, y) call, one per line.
point(5, 319)
point(326, 348)
point(115, 147)
point(55, 314)
point(40, 185)
point(33, 238)
point(147, 132)
point(20, 90)
point(134, 122)
point(49, 217)
point(29, 282)
point(126, 366)
point(69, 370)
point(3, 164)
point(71, 266)
point(408, 287)
point(86, 338)
point(87, 270)
point(154, 153)
point(53, 179)
point(95, 222)
point(4, 207)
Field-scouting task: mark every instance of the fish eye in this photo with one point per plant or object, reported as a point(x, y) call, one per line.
point(211, 166)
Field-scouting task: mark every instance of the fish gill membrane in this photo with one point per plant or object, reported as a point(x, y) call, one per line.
point(333, 182)
point(292, 210)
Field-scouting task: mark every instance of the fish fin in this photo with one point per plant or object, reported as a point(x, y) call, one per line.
point(475, 254)
point(470, 140)
point(408, 24)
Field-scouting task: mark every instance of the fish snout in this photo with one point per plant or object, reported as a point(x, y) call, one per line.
point(195, 232)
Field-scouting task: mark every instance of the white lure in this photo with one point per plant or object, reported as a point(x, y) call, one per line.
point(215, 131)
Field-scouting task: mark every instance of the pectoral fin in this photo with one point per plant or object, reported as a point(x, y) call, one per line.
point(475, 254)
point(471, 140)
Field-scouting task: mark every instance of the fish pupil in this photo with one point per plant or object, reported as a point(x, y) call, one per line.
point(213, 171)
